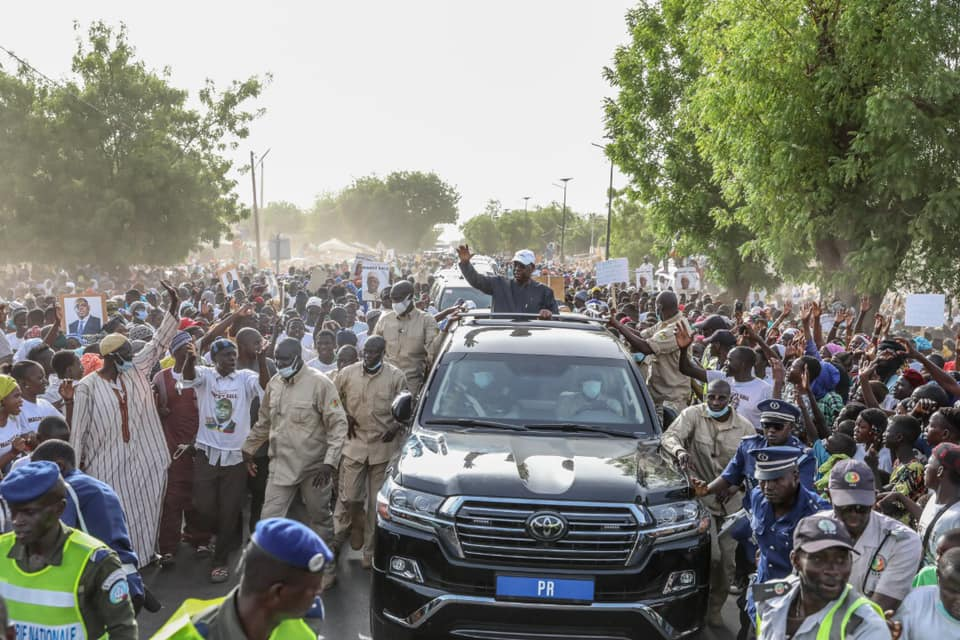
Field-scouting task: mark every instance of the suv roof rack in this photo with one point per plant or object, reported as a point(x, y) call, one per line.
point(568, 320)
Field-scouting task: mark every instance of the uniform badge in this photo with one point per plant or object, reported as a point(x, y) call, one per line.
point(879, 564)
point(120, 592)
point(774, 405)
point(780, 588)
point(762, 457)
point(851, 477)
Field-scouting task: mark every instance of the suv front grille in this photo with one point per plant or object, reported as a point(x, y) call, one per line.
point(597, 536)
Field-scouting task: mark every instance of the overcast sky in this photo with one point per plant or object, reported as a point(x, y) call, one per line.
point(499, 97)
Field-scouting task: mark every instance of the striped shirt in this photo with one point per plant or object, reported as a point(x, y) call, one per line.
point(136, 469)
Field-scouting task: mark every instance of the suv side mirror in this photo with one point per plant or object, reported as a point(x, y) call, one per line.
point(402, 407)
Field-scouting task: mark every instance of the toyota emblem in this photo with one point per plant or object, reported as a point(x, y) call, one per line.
point(546, 526)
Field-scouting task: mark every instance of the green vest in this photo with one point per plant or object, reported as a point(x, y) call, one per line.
point(180, 625)
point(44, 604)
point(834, 625)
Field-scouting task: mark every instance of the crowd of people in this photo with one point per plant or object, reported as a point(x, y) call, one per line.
point(204, 412)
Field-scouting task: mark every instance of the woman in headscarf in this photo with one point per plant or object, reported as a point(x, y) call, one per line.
point(12, 443)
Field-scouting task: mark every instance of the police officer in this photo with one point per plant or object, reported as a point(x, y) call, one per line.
point(58, 581)
point(887, 551)
point(818, 602)
point(282, 576)
point(776, 505)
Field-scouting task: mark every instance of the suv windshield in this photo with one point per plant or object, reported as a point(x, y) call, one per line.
point(450, 296)
point(537, 390)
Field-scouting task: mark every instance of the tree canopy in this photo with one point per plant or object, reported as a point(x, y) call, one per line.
point(113, 166)
point(813, 139)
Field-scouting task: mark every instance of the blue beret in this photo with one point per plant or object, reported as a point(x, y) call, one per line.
point(778, 411)
point(293, 543)
point(30, 481)
point(773, 462)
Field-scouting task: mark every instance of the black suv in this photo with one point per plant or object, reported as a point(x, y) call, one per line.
point(531, 500)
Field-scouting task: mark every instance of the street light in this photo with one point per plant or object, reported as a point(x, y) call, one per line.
point(563, 219)
point(260, 164)
point(606, 254)
point(526, 199)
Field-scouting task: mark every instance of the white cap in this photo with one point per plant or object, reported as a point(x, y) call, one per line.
point(525, 256)
point(314, 302)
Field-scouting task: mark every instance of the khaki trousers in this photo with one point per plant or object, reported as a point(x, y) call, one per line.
point(357, 479)
point(278, 502)
point(723, 560)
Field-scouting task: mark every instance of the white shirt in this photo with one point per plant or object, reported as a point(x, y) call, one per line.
point(5, 349)
point(224, 407)
point(52, 394)
point(777, 610)
point(322, 367)
point(884, 461)
point(923, 616)
point(8, 433)
point(888, 553)
point(946, 522)
point(31, 413)
point(14, 342)
point(745, 396)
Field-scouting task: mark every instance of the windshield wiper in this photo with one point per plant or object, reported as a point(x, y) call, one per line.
point(583, 428)
point(472, 422)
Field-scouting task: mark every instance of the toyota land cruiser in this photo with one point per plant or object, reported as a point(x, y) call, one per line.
point(530, 500)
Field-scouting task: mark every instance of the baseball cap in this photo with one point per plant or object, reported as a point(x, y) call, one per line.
point(712, 323)
point(722, 337)
point(851, 482)
point(525, 256)
point(818, 532)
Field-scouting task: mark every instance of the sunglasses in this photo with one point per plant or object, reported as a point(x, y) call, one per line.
point(861, 509)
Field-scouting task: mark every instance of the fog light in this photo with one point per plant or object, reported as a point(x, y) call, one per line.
point(405, 568)
point(680, 580)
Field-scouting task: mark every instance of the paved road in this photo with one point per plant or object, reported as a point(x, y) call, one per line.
point(346, 604)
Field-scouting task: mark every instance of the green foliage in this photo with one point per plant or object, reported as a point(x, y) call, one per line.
point(504, 231)
point(834, 123)
point(673, 199)
point(113, 167)
point(402, 210)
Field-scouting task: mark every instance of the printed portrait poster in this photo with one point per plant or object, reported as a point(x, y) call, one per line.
point(374, 277)
point(686, 280)
point(644, 277)
point(83, 315)
point(230, 279)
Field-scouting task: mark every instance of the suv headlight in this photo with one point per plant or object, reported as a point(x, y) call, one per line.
point(678, 517)
point(415, 508)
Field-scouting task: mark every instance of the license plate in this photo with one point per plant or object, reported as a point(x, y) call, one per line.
point(544, 588)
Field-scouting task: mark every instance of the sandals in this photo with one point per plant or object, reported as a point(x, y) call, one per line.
point(204, 550)
point(219, 574)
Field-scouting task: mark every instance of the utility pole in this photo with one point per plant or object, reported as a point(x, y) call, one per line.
point(276, 247)
point(526, 199)
point(260, 163)
point(606, 255)
point(256, 212)
point(563, 219)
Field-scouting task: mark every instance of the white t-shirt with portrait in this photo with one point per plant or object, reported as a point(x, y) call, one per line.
point(31, 413)
point(745, 396)
point(8, 433)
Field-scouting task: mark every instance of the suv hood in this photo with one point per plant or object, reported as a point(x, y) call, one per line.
point(527, 465)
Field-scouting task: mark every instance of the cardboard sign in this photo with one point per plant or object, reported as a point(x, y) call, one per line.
point(613, 271)
point(375, 276)
point(644, 277)
point(686, 280)
point(318, 278)
point(924, 310)
point(556, 284)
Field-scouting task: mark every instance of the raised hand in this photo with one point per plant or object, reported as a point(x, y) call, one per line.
point(864, 304)
point(174, 297)
point(463, 252)
point(682, 336)
point(815, 310)
point(777, 370)
point(66, 390)
point(806, 310)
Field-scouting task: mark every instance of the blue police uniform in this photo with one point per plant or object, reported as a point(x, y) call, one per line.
point(774, 535)
point(94, 508)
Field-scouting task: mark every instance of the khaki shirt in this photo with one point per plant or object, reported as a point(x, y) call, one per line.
point(710, 444)
point(100, 615)
point(412, 342)
point(305, 423)
point(666, 383)
point(888, 554)
point(367, 398)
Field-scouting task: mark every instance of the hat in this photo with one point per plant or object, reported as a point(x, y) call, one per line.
point(834, 348)
point(221, 344)
point(581, 295)
point(180, 339)
point(851, 482)
point(525, 256)
point(293, 543)
point(186, 323)
point(314, 302)
point(774, 462)
point(111, 343)
point(143, 332)
point(30, 481)
point(712, 323)
point(913, 376)
point(778, 411)
point(722, 337)
point(818, 532)
point(922, 344)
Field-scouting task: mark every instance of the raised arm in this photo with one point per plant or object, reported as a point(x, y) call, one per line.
point(688, 367)
point(477, 281)
point(939, 376)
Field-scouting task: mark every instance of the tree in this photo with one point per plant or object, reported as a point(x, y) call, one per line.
point(405, 207)
point(497, 230)
point(112, 167)
point(631, 235)
point(672, 195)
point(834, 123)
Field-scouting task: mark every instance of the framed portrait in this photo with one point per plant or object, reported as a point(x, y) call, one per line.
point(375, 276)
point(230, 279)
point(83, 315)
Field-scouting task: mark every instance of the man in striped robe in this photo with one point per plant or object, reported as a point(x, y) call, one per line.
point(116, 430)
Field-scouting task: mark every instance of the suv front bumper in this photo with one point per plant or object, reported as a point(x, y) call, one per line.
point(457, 599)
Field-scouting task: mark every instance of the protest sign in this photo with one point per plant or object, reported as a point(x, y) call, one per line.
point(686, 280)
point(644, 277)
point(924, 310)
point(613, 271)
point(374, 276)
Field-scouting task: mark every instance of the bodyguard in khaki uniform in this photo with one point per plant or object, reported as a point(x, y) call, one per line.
point(703, 438)
point(412, 336)
point(367, 388)
point(302, 416)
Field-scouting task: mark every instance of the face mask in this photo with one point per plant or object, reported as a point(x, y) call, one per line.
point(718, 414)
point(591, 388)
point(287, 372)
point(374, 368)
point(141, 315)
point(123, 365)
point(402, 306)
point(482, 379)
